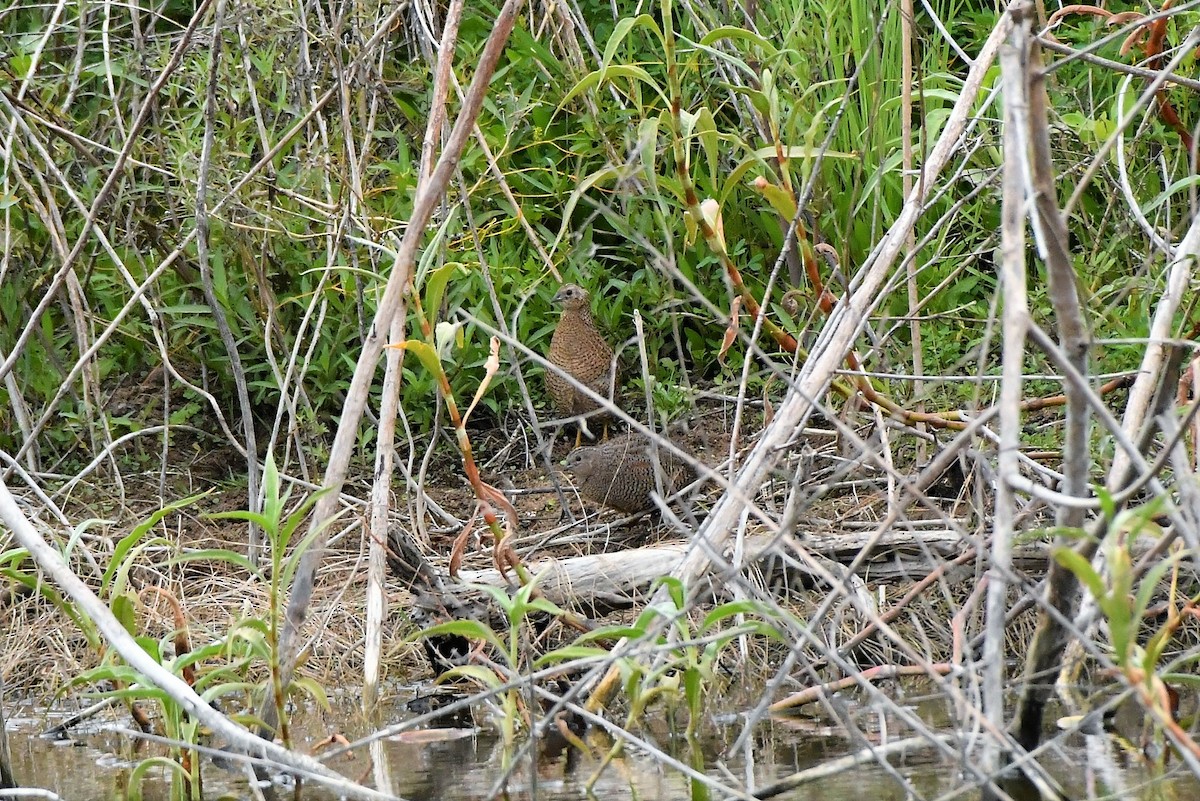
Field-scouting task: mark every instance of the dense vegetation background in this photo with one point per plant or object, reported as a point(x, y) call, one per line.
point(315, 144)
point(585, 187)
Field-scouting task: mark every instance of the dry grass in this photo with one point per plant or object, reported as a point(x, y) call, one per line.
point(43, 652)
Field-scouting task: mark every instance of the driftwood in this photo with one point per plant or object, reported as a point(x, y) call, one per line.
point(608, 581)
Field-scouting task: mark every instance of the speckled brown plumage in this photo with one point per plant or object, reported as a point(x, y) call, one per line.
point(620, 473)
point(577, 348)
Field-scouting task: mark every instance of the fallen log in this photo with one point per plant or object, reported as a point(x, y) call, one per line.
point(606, 581)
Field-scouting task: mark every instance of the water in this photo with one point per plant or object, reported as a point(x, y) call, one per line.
point(464, 764)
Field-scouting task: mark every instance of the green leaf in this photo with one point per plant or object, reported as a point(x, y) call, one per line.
point(1108, 504)
point(648, 150)
point(129, 540)
point(780, 199)
point(569, 652)
point(687, 122)
point(150, 646)
point(255, 643)
point(124, 609)
point(471, 629)
point(622, 29)
point(765, 630)
point(311, 688)
point(217, 691)
point(499, 595)
point(129, 559)
point(213, 555)
point(693, 688)
point(262, 520)
point(272, 502)
point(1185, 679)
point(210, 650)
point(1176, 187)
point(478, 673)
point(610, 633)
point(1082, 569)
point(184, 414)
point(1120, 626)
point(729, 58)
point(725, 611)
point(543, 605)
point(426, 354)
point(435, 286)
point(772, 94)
point(646, 618)
point(46, 591)
point(1150, 581)
point(674, 590)
point(731, 32)
point(14, 556)
point(120, 674)
point(606, 74)
point(251, 627)
point(293, 562)
point(134, 788)
point(706, 131)
point(21, 67)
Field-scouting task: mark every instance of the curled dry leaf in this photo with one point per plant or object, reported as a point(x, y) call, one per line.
point(731, 329)
point(710, 209)
point(460, 544)
point(490, 368)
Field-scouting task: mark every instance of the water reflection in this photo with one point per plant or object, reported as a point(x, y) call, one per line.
point(96, 762)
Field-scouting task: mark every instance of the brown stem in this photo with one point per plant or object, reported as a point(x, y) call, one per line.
point(182, 644)
point(812, 694)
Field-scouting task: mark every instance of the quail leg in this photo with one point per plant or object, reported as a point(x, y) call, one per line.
point(581, 429)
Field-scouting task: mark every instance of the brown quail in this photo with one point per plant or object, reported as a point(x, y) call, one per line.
point(620, 473)
point(578, 349)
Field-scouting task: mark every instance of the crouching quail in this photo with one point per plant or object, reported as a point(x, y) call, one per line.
point(620, 473)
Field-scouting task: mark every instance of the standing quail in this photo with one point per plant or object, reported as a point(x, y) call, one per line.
point(578, 349)
point(620, 473)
